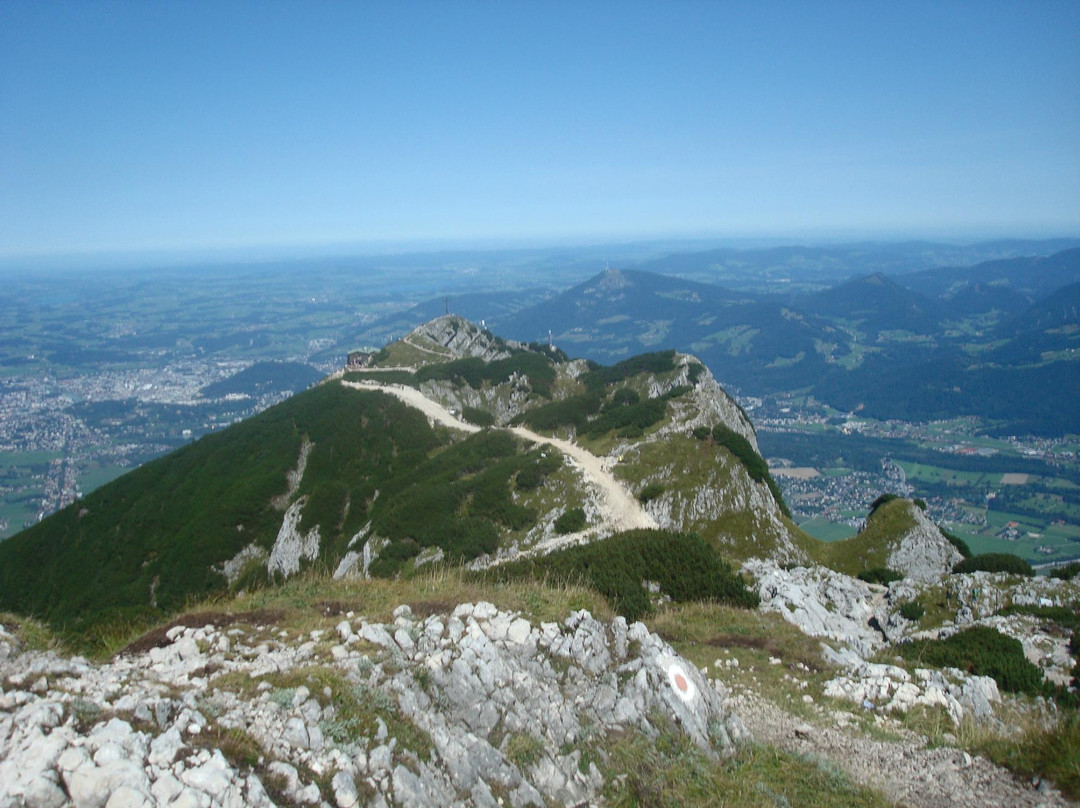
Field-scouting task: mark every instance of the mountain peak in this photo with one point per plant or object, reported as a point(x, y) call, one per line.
point(611, 280)
point(460, 338)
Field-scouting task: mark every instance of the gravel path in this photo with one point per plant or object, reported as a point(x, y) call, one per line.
point(907, 772)
point(620, 509)
point(440, 354)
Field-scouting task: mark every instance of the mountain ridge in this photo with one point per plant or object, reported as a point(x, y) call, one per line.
point(351, 478)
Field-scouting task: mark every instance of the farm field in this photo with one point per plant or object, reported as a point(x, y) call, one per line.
point(821, 528)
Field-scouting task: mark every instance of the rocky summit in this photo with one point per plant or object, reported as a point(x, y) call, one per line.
point(476, 707)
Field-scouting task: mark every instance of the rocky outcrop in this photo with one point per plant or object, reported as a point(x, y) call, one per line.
point(709, 493)
point(892, 689)
point(978, 596)
point(821, 602)
point(448, 704)
point(708, 403)
point(463, 339)
point(293, 477)
point(292, 546)
point(923, 553)
point(725, 505)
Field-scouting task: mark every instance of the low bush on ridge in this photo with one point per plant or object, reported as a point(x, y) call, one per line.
point(912, 610)
point(880, 575)
point(980, 651)
point(570, 521)
point(685, 566)
point(995, 562)
point(754, 463)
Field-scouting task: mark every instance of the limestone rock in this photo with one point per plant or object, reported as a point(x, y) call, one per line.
point(821, 602)
point(923, 553)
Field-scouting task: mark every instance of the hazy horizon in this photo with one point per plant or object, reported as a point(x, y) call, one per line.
point(201, 128)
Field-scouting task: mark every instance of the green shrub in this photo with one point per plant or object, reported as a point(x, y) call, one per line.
point(392, 556)
point(960, 545)
point(877, 503)
point(754, 463)
point(1066, 573)
point(1066, 618)
point(599, 377)
point(684, 565)
point(694, 371)
point(475, 415)
point(456, 499)
point(574, 411)
point(637, 416)
point(650, 492)
point(980, 651)
point(912, 610)
point(570, 521)
point(325, 508)
point(677, 391)
point(474, 371)
point(995, 562)
point(539, 465)
point(880, 575)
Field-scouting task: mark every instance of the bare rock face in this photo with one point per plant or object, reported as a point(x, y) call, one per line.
point(893, 689)
point(724, 502)
point(455, 699)
point(292, 546)
point(714, 402)
point(463, 338)
point(821, 602)
point(923, 553)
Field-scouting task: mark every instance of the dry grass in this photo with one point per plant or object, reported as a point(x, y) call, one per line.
point(671, 772)
point(314, 601)
point(31, 634)
point(700, 630)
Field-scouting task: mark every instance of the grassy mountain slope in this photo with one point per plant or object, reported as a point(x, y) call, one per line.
point(653, 418)
point(344, 478)
point(1061, 310)
point(149, 540)
point(971, 299)
point(873, 546)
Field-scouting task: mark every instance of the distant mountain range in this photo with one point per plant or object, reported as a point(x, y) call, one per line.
point(937, 343)
point(1035, 276)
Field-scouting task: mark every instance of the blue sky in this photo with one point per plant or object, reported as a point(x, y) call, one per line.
point(189, 125)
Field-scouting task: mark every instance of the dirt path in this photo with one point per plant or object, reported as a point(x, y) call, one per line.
point(907, 772)
point(619, 509)
point(625, 512)
point(441, 355)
